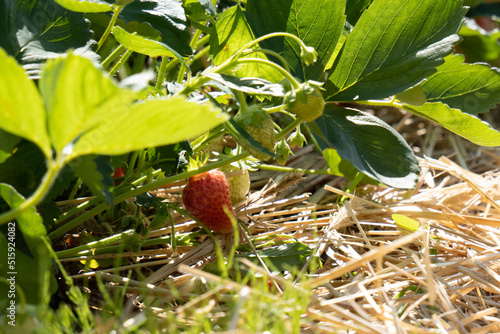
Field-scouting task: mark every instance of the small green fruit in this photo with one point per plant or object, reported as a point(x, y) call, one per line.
point(308, 103)
point(258, 124)
point(239, 185)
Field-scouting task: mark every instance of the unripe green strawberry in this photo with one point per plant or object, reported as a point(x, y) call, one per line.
point(258, 124)
point(308, 103)
point(205, 196)
point(239, 185)
point(214, 145)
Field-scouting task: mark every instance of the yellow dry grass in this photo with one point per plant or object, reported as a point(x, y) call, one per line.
point(443, 277)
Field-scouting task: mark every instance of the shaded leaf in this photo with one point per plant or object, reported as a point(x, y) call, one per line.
point(24, 169)
point(372, 146)
point(166, 16)
point(472, 88)
point(354, 9)
point(143, 45)
point(170, 158)
point(7, 144)
point(19, 97)
point(282, 257)
point(96, 173)
point(317, 23)
point(34, 31)
point(394, 46)
point(199, 10)
point(468, 126)
point(248, 85)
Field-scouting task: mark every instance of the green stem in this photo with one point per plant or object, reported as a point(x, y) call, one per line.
point(180, 75)
point(272, 53)
point(113, 56)
point(47, 181)
point(243, 102)
point(195, 38)
point(140, 190)
point(274, 109)
point(384, 103)
point(96, 244)
point(291, 169)
point(296, 122)
point(116, 12)
point(280, 69)
point(255, 41)
point(201, 27)
point(200, 54)
point(202, 40)
point(162, 72)
point(119, 64)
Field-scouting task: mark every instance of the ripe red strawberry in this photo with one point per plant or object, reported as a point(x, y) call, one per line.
point(205, 196)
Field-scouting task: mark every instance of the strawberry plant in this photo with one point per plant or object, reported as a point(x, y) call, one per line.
point(90, 88)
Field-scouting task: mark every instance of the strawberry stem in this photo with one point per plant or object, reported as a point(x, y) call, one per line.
point(296, 122)
point(295, 84)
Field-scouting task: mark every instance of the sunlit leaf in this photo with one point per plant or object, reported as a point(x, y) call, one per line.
point(31, 266)
point(85, 6)
point(472, 88)
point(468, 126)
point(21, 108)
point(317, 23)
point(394, 46)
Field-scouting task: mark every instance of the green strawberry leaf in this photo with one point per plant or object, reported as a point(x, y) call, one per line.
point(372, 146)
point(34, 31)
point(394, 46)
point(24, 169)
point(200, 10)
point(472, 88)
point(96, 173)
point(282, 257)
point(463, 124)
point(354, 9)
point(146, 124)
point(171, 158)
point(105, 119)
point(166, 16)
point(229, 34)
point(85, 6)
point(317, 23)
point(160, 218)
point(145, 45)
point(342, 167)
point(19, 96)
point(247, 85)
point(478, 45)
point(73, 83)
point(31, 268)
point(8, 143)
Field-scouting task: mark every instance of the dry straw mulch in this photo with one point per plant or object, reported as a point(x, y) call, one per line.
point(376, 277)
